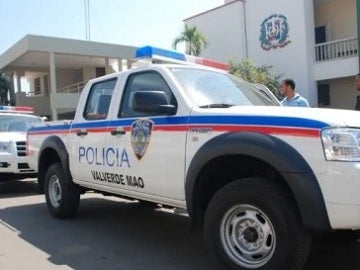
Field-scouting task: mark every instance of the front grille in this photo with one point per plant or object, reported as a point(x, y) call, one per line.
point(23, 166)
point(21, 149)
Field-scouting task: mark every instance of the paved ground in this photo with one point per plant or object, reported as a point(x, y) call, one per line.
point(111, 234)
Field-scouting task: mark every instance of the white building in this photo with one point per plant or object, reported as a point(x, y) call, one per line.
point(313, 42)
point(57, 70)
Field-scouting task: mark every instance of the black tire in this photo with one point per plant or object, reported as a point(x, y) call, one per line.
point(40, 187)
point(252, 223)
point(62, 195)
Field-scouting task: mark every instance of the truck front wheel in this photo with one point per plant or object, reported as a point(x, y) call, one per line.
point(62, 195)
point(252, 224)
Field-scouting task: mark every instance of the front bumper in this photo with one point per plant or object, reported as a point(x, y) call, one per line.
point(340, 186)
point(12, 163)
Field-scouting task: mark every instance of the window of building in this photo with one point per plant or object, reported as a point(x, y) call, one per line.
point(321, 52)
point(320, 34)
point(99, 71)
point(46, 84)
point(37, 86)
point(323, 95)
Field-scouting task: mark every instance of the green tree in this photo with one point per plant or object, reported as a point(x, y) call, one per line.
point(194, 41)
point(249, 72)
point(4, 90)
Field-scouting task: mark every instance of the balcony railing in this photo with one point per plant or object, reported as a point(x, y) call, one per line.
point(336, 49)
point(72, 88)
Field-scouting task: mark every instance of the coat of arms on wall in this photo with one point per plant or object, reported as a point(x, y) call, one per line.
point(274, 32)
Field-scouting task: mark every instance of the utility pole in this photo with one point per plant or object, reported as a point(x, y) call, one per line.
point(87, 19)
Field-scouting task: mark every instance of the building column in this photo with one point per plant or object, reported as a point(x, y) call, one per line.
point(12, 90)
point(18, 82)
point(120, 65)
point(107, 66)
point(128, 63)
point(52, 85)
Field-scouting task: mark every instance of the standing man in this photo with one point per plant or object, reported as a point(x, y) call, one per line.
point(357, 88)
point(292, 98)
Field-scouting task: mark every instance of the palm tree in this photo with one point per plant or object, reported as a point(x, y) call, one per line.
point(194, 40)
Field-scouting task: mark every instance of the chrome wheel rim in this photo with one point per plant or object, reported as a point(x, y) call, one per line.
point(54, 191)
point(247, 236)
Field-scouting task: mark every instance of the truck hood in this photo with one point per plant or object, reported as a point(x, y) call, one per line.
point(12, 136)
point(329, 117)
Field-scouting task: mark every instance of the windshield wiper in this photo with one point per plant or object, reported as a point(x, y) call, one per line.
point(217, 105)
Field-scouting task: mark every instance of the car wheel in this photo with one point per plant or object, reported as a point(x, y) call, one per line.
point(62, 195)
point(252, 224)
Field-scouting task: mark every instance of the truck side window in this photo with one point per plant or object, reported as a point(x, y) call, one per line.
point(144, 81)
point(98, 103)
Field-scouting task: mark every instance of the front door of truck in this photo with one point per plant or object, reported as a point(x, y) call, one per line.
point(148, 148)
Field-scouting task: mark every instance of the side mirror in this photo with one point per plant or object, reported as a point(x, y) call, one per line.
point(155, 102)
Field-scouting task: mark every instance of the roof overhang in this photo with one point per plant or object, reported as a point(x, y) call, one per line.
point(32, 52)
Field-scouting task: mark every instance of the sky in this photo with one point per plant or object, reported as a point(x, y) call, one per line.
point(126, 22)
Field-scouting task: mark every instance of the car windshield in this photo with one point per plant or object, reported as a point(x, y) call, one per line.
point(211, 89)
point(17, 123)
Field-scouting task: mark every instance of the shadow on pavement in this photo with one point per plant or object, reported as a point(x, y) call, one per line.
point(116, 234)
point(18, 188)
point(336, 251)
point(111, 235)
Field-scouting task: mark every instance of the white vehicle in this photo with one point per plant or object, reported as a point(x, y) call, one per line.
point(14, 122)
point(256, 177)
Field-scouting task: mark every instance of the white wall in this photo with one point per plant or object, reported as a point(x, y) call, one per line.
point(65, 77)
point(223, 28)
point(41, 104)
point(343, 68)
point(64, 100)
point(88, 73)
point(340, 24)
point(232, 38)
point(295, 60)
point(342, 93)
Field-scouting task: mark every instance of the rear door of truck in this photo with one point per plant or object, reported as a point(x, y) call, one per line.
point(87, 139)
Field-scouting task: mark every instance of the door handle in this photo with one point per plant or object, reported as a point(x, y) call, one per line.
point(82, 132)
point(118, 131)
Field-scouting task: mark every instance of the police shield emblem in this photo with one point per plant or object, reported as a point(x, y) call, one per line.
point(140, 136)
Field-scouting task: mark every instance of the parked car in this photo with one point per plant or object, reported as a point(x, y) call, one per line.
point(14, 122)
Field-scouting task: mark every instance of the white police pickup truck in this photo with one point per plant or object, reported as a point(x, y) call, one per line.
point(14, 122)
point(257, 178)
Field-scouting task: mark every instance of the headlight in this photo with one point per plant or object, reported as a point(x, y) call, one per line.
point(5, 147)
point(342, 144)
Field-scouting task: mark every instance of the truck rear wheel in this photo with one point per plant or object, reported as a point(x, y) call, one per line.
point(252, 224)
point(62, 195)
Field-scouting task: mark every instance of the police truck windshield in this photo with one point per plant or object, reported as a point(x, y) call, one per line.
point(211, 89)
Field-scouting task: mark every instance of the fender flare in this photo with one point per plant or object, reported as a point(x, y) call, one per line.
point(281, 156)
point(56, 144)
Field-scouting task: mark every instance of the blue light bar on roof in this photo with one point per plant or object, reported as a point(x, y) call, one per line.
point(151, 52)
point(167, 56)
point(18, 109)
